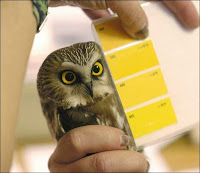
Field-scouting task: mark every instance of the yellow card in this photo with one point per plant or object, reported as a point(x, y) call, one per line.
point(131, 60)
point(112, 38)
point(152, 117)
point(138, 79)
point(142, 88)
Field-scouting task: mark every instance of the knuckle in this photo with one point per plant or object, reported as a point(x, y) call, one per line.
point(54, 166)
point(100, 163)
point(75, 140)
point(51, 164)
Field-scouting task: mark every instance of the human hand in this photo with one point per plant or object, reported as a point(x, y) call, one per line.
point(132, 16)
point(185, 11)
point(96, 148)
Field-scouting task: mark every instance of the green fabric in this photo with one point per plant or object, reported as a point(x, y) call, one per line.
point(40, 9)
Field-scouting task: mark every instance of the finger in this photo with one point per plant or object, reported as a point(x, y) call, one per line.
point(110, 161)
point(132, 17)
point(96, 14)
point(131, 14)
point(89, 139)
point(185, 12)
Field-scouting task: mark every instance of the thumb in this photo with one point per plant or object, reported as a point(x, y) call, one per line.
point(131, 14)
point(132, 17)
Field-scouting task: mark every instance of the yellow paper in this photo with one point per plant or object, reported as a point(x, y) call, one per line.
point(138, 79)
point(112, 35)
point(152, 117)
point(131, 60)
point(142, 88)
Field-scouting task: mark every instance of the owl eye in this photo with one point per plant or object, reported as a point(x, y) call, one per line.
point(68, 77)
point(97, 69)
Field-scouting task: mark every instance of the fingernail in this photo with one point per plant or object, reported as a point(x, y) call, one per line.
point(124, 140)
point(148, 167)
point(143, 33)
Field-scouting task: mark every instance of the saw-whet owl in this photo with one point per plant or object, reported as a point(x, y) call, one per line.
point(76, 89)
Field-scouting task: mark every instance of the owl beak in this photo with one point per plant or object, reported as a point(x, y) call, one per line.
point(89, 88)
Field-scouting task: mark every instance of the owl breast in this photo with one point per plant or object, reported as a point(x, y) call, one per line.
point(104, 112)
point(107, 113)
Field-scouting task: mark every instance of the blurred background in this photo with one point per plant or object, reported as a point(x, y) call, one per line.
point(34, 145)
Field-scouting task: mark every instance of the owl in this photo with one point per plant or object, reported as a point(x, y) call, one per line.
point(76, 89)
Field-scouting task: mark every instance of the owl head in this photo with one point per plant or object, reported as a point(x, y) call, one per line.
point(75, 76)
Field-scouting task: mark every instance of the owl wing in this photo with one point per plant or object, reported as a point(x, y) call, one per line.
point(50, 112)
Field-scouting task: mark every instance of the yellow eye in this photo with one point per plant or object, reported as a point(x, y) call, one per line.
point(97, 69)
point(68, 77)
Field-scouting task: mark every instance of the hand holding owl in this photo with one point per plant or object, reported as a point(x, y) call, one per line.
point(76, 89)
point(24, 32)
point(96, 148)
